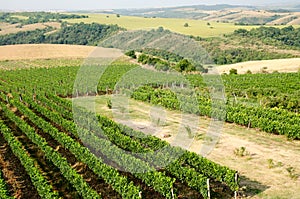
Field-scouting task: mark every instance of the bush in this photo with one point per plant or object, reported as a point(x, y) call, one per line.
point(131, 53)
point(233, 71)
point(143, 58)
point(184, 65)
point(163, 66)
point(109, 104)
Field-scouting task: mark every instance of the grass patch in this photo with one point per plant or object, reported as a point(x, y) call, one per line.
point(241, 152)
point(39, 63)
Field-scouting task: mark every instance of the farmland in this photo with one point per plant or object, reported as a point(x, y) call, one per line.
point(114, 106)
point(42, 55)
point(43, 51)
point(50, 116)
point(257, 143)
point(269, 66)
point(58, 131)
point(196, 27)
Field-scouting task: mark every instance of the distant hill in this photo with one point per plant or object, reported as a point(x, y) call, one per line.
point(242, 15)
point(297, 8)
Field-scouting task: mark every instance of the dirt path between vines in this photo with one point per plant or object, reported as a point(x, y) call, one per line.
point(264, 166)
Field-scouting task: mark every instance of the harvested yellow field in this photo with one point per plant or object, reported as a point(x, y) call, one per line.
point(196, 27)
point(280, 65)
point(13, 28)
point(44, 51)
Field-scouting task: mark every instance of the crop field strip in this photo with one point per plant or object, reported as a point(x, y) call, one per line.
point(39, 181)
point(235, 109)
point(196, 27)
point(17, 179)
point(4, 192)
point(81, 152)
point(56, 158)
point(53, 148)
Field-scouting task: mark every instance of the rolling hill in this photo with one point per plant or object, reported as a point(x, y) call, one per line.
point(248, 15)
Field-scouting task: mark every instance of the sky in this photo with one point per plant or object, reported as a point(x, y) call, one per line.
point(116, 4)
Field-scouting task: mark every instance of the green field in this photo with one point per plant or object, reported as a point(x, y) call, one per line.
point(38, 63)
point(196, 27)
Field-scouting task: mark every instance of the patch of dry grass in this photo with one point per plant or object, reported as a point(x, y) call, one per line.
point(44, 51)
point(13, 28)
point(280, 65)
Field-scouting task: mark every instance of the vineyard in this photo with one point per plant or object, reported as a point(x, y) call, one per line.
point(38, 127)
point(63, 155)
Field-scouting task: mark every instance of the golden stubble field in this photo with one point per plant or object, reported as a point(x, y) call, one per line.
point(14, 28)
point(43, 51)
point(202, 28)
point(42, 55)
point(196, 27)
point(51, 55)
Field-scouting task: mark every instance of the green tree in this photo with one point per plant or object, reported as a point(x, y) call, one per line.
point(184, 65)
point(143, 58)
point(131, 53)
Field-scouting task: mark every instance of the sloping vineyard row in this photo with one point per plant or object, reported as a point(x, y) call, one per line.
point(36, 120)
point(137, 139)
point(119, 183)
point(270, 120)
point(41, 184)
point(68, 172)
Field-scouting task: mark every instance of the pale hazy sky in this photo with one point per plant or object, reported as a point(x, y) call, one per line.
point(110, 4)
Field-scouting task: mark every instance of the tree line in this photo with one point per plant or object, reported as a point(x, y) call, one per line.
point(163, 60)
point(287, 36)
point(80, 34)
point(36, 17)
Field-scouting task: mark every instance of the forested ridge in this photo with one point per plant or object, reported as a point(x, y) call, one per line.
point(24, 18)
point(81, 34)
point(285, 37)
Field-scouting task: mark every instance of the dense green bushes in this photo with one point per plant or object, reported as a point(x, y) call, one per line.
point(36, 17)
point(237, 55)
point(163, 60)
point(288, 36)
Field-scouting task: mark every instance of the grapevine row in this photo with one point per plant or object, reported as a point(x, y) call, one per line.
point(159, 157)
point(156, 158)
point(3, 186)
point(267, 119)
point(109, 174)
point(157, 180)
point(70, 174)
